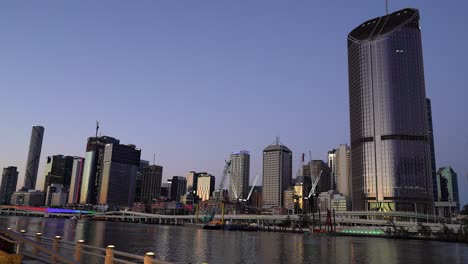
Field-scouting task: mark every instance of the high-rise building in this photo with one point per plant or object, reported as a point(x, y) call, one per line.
point(191, 181)
point(314, 169)
point(166, 189)
point(34, 157)
point(302, 187)
point(151, 183)
point(448, 203)
point(117, 185)
point(92, 173)
point(432, 147)
point(205, 186)
point(277, 174)
point(390, 152)
point(8, 186)
point(447, 184)
point(178, 188)
point(340, 165)
point(58, 170)
point(256, 197)
point(76, 177)
point(240, 173)
point(139, 179)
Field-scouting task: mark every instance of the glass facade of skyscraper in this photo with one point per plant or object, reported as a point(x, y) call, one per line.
point(391, 158)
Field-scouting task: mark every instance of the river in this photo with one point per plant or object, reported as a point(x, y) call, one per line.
point(192, 245)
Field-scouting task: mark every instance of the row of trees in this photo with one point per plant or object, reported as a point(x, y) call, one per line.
point(444, 234)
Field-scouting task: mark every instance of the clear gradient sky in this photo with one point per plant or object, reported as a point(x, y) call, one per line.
point(194, 80)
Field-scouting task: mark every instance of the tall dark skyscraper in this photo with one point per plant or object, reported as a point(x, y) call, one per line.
point(117, 185)
point(58, 170)
point(390, 150)
point(178, 188)
point(34, 156)
point(8, 186)
point(151, 183)
point(139, 180)
point(431, 142)
point(92, 172)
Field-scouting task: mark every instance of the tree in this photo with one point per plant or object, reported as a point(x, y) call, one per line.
point(424, 230)
point(462, 235)
point(446, 234)
point(464, 211)
point(286, 222)
point(403, 232)
point(304, 220)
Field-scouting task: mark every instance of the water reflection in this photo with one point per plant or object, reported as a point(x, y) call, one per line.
point(192, 245)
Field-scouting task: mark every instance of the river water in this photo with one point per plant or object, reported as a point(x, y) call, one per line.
point(192, 245)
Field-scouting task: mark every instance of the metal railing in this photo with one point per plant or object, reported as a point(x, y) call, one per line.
point(55, 250)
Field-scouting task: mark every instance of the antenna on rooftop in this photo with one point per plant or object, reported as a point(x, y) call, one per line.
point(154, 158)
point(97, 127)
point(277, 140)
point(386, 6)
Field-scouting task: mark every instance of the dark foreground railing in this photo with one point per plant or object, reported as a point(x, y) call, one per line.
point(54, 250)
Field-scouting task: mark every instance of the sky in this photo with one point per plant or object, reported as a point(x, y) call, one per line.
point(192, 81)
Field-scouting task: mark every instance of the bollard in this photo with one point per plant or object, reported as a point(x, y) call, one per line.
point(149, 257)
point(109, 254)
point(55, 247)
point(18, 243)
point(78, 250)
point(37, 238)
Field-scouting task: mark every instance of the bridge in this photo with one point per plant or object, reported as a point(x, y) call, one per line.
point(342, 219)
point(348, 219)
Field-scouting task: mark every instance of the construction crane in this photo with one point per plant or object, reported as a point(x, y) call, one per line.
point(233, 185)
point(314, 185)
point(252, 188)
point(226, 173)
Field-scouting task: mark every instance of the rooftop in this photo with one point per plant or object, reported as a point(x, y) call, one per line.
point(381, 26)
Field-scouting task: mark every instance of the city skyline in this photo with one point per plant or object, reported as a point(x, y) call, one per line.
point(68, 137)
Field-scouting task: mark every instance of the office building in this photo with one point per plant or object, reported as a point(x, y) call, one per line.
point(58, 170)
point(255, 200)
point(289, 203)
point(277, 174)
point(340, 165)
point(92, 172)
point(117, 186)
point(191, 181)
point(314, 167)
point(27, 198)
point(178, 188)
point(8, 186)
point(34, 157)
point(75, 182)
point(332, 200)
point(448, 203)
point(166, 189)
point(390, 150)
point(240, 173)
point(139, 180)
point(53, 189)
point(205, 186)
point(151, 183)
point(302, 187)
